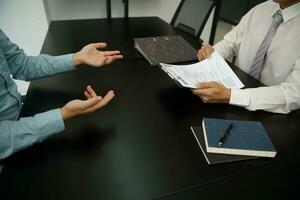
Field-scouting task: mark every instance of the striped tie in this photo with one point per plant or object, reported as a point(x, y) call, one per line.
point(258, 62)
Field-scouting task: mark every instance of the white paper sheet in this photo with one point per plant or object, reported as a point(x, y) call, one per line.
point(212, 69)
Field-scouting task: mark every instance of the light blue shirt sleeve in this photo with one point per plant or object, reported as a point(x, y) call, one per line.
point(17, 135)
point(28, 68)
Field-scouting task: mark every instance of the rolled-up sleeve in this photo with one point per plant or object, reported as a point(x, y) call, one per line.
point(28, 68)
point(17, 135)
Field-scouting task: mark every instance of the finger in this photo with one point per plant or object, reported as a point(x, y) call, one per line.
point(91, 91)
point(101, 61)
point(116, 57)
point(111, 53)
point(203, 52)
point(211, 50)
point(208, 51)
point(89, 103)
point(199, 55)
point(108, 97)
point(202, 92)
point(100, 45)
point(109, 60)
point(203, 95)
point(204, 85)
point(87, 95)
point(113, 58)
point(205, 99)
point(209, 100)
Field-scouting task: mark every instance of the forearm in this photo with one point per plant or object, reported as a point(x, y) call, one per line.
point(35, 67)
point(17, 135)
point(27, 68)
point(231, 42)
point(225, 49)
point(276, 99)
point(229, 46)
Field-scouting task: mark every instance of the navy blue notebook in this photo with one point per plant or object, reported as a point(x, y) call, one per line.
point(215, 158)
point(247, 138)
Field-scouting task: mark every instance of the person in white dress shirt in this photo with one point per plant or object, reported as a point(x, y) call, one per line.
point(269, 50)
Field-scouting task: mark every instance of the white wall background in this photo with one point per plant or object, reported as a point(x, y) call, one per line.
point(78, 9)
point(88, 9)
point(25, 23)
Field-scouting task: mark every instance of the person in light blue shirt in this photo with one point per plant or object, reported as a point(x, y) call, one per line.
point(17, 134)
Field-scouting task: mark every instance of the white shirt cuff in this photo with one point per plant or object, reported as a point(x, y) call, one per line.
point(239, 97)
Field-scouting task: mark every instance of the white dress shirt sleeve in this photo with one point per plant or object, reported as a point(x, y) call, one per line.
point(230, 45)
point(279, 98)
point(282, 98)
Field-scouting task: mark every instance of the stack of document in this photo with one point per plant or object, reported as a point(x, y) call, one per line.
point(212, 69)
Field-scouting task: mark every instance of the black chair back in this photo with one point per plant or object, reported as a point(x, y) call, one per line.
point(191, 16)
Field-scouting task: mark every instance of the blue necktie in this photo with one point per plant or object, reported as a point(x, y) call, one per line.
point(258, 61)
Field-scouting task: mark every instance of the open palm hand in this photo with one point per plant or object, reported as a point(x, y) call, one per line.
point(92, 103)
point(90, 55)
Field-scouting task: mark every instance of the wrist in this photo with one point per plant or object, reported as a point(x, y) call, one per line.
point(65, 114)
point(77, 59)
point(228, 95)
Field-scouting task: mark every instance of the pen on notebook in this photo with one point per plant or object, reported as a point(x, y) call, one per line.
point(225, 134)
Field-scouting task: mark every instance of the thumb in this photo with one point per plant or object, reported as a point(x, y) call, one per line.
point(100, 45)
point(90, 102)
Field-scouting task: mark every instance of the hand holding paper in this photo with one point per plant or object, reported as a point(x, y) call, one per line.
point(210, 79)
point(212, 69)
point(213, 92)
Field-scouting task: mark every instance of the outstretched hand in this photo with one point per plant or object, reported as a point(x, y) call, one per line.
point(90, 55)
point(91, 104)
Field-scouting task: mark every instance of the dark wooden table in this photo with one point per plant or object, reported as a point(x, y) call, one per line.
point(140, 146)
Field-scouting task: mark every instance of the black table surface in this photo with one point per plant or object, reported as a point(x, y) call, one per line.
point(140, 146)
point(276, 180)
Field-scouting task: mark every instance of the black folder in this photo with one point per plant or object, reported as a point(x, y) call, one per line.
point(165, 49)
